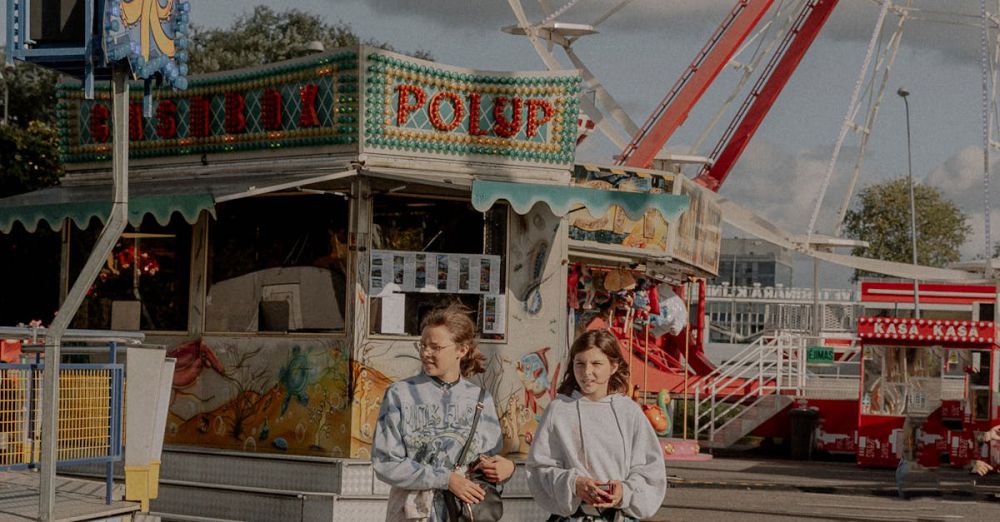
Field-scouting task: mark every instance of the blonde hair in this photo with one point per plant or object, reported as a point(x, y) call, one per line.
point(607, 343)
point(457, 319)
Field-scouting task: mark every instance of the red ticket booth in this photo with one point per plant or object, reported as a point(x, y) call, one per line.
point(942, 372)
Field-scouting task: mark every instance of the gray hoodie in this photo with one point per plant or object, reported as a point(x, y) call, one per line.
point(421, 429)
point(605, 440)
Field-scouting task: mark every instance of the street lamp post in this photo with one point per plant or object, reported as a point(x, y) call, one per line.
point(903, 93)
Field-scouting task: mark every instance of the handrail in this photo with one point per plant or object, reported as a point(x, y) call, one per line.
point(39, 333)
point(744, 354)
point(773, 364)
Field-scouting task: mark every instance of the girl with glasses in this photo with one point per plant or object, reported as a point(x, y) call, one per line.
point(426, 419)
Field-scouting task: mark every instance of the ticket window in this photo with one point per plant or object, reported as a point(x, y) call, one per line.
point(429, 252)
point(900, 380)
point(983, 378)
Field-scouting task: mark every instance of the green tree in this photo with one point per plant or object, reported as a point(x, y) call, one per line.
point(882, 218)
point(31, 91)
point(29, 158)
point(29, 145)
point(266, 36)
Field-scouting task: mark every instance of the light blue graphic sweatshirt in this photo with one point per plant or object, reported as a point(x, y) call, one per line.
point(421, 429)
point(609, 439)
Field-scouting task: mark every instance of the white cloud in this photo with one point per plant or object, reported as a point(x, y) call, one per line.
point(951, 29)
point(960, 179)
point(782, 185)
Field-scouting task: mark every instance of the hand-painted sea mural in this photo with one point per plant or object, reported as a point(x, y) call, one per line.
point(277, 396)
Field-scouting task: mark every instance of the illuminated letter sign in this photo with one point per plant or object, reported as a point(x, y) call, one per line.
point(236, 121)
point(100, 131)
point(474, 115)
point(434, 111)
point(199, 115)
point(404, 107)
point(503, 126)
point(270, 108)
point(135, 122)
point(166, 119)
point(533, 121)
point(426, 108)
point(926, 330)
point(308, 94)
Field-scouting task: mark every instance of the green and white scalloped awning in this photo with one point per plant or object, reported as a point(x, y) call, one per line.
point(187, 197)
point(564, 199)
point(81, 211)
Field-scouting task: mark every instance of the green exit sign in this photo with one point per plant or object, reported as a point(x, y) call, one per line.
point(819, 355)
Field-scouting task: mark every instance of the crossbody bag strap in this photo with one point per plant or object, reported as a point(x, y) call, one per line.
point(472, 432)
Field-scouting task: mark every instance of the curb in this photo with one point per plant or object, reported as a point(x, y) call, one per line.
point(969, 493)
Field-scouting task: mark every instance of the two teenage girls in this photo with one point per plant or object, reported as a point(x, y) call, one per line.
point(594, 456)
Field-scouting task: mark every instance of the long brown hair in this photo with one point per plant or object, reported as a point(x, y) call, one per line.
point(456, 318)
point(607, 343)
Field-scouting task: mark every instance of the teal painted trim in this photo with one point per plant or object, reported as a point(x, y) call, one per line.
point(189, 206)
point(563, 199)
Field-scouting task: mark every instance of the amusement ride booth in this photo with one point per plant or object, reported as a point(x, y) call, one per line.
point(289, 226)
point(937, 374)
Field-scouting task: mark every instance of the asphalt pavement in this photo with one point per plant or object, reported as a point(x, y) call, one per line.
point(728, 489)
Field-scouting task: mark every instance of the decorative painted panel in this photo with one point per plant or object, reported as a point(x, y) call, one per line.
point(261, 395)
point(524, 374)
point(615, 227)
point(699, 231)
point(151, 35)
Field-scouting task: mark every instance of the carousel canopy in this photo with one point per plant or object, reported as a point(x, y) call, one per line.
point(80, 202)
point(565, 199)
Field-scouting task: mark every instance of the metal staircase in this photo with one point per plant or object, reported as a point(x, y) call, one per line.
point(749, 389)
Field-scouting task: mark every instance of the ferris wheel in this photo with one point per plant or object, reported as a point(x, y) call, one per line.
point(763, 41)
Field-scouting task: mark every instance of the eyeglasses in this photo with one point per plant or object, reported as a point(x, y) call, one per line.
point(421, 347)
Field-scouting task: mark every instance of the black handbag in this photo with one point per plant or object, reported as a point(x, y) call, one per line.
point(490, 509)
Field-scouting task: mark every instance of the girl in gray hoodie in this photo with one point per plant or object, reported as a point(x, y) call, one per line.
point(425, 420)
point(595, 456)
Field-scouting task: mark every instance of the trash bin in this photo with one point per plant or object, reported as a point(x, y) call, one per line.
point(803, 432)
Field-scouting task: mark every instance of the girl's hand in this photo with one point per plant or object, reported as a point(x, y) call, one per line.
point(465, 489)
point(590, 492)
point(981, 468)
point(496, 468)
point(614, 495)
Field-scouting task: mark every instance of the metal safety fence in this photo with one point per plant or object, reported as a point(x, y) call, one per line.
point(90, 414)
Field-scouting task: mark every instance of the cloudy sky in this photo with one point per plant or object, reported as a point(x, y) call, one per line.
point(641, 51)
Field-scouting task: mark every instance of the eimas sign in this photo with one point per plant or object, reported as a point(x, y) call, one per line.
point(359, 100)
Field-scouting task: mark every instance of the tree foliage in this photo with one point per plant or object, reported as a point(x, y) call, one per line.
point(882, 218)
point(29, 158)
point(32, 93)
point(266, 36)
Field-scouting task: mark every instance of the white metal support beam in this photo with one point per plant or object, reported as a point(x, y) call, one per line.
point(102, 249)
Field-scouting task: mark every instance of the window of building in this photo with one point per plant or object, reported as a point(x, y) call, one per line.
point(29, 263)
point(430, 252)
point(144, 283)
point(278, 263)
